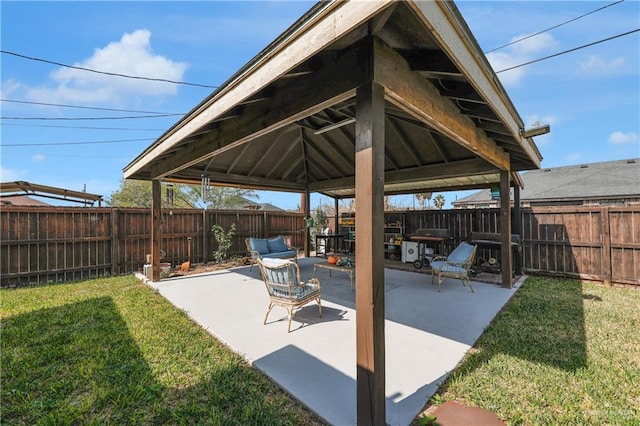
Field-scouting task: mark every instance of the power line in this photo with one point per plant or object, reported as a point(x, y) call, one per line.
point(490, 12)
point(6, 52)
point(85, 107)
point(83, 127)
point(85, 156)
point(554, 27)
point(568, 51)
point(75, 143)
point(89, 118)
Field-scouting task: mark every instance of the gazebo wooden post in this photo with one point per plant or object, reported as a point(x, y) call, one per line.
point(156, 236)
point(370, 337)
point(335, 221)
point(505, 229)
point(305, 203)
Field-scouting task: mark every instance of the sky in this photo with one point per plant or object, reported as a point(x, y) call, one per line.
point(590, 97)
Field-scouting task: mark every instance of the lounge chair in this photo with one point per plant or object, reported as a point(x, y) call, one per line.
point(456, 265)
point(282, 280)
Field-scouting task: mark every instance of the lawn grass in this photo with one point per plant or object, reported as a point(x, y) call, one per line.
point(114, 351)
point(560, 352)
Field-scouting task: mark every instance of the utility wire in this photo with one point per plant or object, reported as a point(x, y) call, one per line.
point(85, 156)
point(83, 127)
point(554, 27)
point(85, 107)
point(568, 51)
point(88, 118)
point(490, 12)
point(74, 143)
point(6, 52)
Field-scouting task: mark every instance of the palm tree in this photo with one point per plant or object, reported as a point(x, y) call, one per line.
point(439, 201)
point(423, 198)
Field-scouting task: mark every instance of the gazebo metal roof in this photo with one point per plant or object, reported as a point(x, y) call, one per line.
point(286, 120)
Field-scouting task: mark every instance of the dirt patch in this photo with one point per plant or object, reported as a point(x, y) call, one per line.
point(199, 268)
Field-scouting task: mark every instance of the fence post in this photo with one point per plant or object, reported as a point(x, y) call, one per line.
point(606, 245)
point(115, 243)
point(205, 239)
point(265, 232)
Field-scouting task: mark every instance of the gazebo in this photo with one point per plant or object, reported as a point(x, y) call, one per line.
point(357, 99)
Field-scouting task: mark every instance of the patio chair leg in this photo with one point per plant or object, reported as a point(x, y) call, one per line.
point(290, 316)
point(319, 308)
point(432, 277)
point(468, 282)
point(439, 283)
point(268, 310)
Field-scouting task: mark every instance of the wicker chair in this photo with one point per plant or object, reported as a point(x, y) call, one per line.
point(456, 265)
point(282, 280)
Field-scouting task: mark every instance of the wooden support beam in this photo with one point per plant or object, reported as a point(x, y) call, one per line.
point(335, 220)
point(156, 234)
point(431, 61)
point(505, 229)
point(453, 169)
point(418, 97)
point(305, 204)
point(290, 103)
point(282, 58)
point(370, 340)
point(437, 16)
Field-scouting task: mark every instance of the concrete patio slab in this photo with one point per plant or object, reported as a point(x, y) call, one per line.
point(427, 333)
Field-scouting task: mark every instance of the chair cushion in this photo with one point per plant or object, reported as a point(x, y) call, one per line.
point(278, 276)
point(461, 253)
point(298, 292)
point(444, 267)
point(280, 255)
point(259, 244)
point(277, 245)
point(273, 261)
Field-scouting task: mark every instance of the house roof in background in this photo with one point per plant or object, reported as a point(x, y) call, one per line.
point(21, 200)
point(247, 204)
point(606, 180)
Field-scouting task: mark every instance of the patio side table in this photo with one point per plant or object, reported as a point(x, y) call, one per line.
point(349, 270)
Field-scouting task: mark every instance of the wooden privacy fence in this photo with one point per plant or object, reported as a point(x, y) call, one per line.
point(63, 244)
point(55, 244)
point(590, 243)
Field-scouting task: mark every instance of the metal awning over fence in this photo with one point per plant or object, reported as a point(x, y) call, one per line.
point(9, 189)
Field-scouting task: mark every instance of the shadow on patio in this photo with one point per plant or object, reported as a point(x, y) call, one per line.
point(427, 334)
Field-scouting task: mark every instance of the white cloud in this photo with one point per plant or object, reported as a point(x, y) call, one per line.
point(132, 55)
point(9, 87)
point(597, 64)
point(519, 53)
point(533, 45)
point(10, 175)
point(574, 158)
point(619, 138)
point(500, 61)
point(38, 158)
